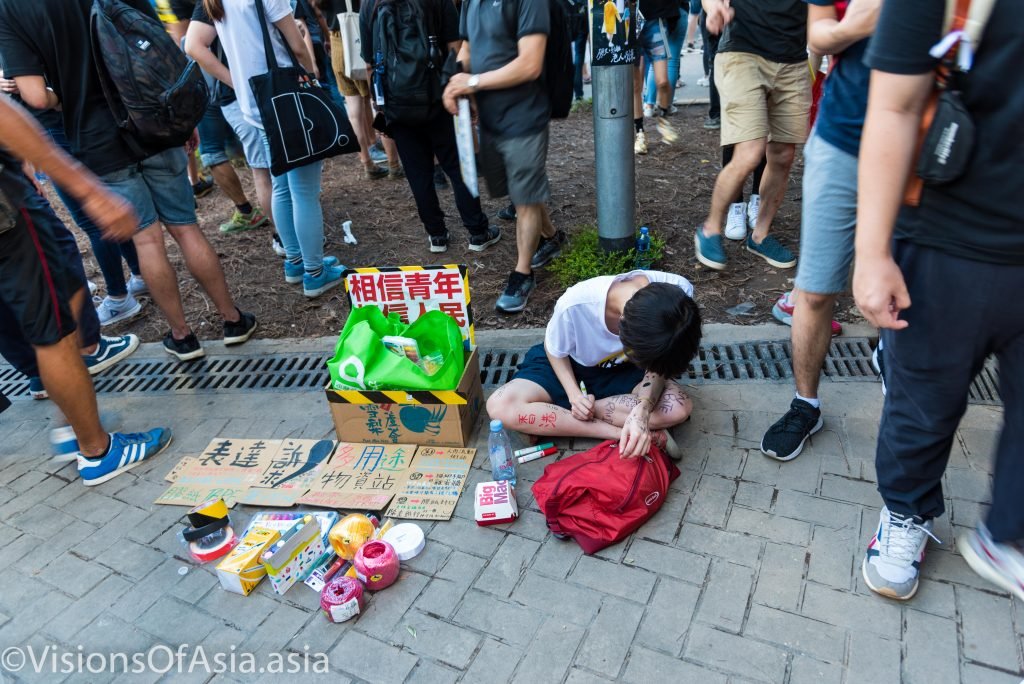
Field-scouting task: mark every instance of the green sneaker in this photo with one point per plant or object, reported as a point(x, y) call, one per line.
point(240, 222)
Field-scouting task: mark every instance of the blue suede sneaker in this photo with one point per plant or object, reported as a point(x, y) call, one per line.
point(331, 277)
point(772, 251)
point(109, 351)
point(126, 451)
point(710, 250)
point(293, 272)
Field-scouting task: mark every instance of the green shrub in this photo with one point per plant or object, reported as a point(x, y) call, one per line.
point(584, 258)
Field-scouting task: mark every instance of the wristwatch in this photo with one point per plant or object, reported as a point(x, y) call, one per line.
point(474, 82)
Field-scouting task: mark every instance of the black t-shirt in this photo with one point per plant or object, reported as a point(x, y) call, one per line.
point(184, 9)
point(659, 9)
point(980, 216)
point(773, 29)
point(493, 33)
point(223, 94)
point(50, 38)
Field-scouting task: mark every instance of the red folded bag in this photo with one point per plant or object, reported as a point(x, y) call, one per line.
point(598, 498)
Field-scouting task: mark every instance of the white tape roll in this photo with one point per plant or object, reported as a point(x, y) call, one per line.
point(407, 539)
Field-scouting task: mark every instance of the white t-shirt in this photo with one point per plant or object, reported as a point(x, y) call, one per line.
point(577, 327)
point(242, 39)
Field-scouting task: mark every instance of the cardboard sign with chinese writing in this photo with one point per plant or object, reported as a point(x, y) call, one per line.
point(433, 485)
point(411, 291)
point(360, 476)
point(226, 468)
point(289, 473)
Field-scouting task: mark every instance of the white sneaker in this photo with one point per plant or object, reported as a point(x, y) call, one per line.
point(735, 223)
point(680, 83)
point(704, 82)
point(1001, 564)
point(93, 288)
point(753, 211)
point(648, 111)
point(669, 133)
point(893, 560)
point(640, 144)
point(112, 311)
point(137, 286)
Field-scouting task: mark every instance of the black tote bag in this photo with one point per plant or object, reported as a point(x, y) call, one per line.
point(302, 122)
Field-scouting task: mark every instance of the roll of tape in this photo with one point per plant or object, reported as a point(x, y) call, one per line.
point(342, 598)
point(376, 564)
point(213, 546)
point(407, 539)
point(196, 533)
point(208, 512)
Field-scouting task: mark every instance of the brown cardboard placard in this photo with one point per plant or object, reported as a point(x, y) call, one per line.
point(289, 473)
point(226, 468)
point(178, 467)
point(360, 476)
point(433, 485)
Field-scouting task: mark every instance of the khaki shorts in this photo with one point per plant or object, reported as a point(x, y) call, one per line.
point(762, 99)
point(346, 85)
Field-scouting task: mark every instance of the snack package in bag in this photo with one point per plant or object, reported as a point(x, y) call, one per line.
point(362, 361)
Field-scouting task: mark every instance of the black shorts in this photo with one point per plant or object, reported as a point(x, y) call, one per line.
point(36, 278)
point(601, 382)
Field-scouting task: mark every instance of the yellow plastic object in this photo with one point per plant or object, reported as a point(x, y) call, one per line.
point(350, 533)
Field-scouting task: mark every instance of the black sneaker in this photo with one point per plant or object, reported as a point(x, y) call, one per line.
point(203, 188)
point(508, 213)
point(548, 249)
point(480, 242)
point(439, 243)
point(186, 349)
point(786, 438)
point(241, 330)
point(518, 290)
point(440, 180)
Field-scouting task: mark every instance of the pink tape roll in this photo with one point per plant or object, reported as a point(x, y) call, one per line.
point(342, 598)
point(376, 564)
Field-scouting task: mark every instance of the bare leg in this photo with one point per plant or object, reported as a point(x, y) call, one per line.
point(530, 224)
point(226, 178)
point(70, 387)
point(264, 191)
point(523, 406)
point(812, 332)
point(389, 148)
point(673, 408)
point(638, 86)
point(773, 186)
point(202, 262)
point(161, 278)
point(356, 106)
point(193, 169)
point(661, 81)
point(745, 158)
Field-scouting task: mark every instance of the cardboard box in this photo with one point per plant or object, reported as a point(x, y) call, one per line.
point(495, 503)
point(241, 570)
point(433, 418)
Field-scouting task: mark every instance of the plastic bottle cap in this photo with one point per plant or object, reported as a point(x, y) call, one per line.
point(496, 425)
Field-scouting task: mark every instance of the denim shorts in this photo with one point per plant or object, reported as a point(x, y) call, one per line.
point(653, 40)
point(214, 133)
point(829, 218)
point(158, 189)
point(250, 136)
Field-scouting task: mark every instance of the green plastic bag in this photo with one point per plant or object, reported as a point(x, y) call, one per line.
point(362, 362)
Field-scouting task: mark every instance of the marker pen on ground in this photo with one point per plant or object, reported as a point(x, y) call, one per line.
point(530, 450)
point(537, 454)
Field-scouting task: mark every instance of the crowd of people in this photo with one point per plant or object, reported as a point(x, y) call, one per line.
point(952, 244)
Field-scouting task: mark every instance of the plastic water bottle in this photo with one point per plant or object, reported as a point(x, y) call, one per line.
point(499, 448)
point(643, 250)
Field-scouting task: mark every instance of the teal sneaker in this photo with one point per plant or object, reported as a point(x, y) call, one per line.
point(772, 251)
point(293, 272)
point(109, 351)
point(710, 250)
point(331, 277)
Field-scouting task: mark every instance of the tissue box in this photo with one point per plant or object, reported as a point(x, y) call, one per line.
point(241, 570)
point(495, 503)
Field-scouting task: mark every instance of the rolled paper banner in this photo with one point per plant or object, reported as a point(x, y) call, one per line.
point(350, 533)
point(342, 598)
point(376, 564)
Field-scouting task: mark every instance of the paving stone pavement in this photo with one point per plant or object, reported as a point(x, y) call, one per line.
point(749, 573)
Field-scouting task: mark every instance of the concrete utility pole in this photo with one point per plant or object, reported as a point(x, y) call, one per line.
point(613, 54)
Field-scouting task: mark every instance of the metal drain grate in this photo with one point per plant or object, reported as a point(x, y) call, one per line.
point(849, 359)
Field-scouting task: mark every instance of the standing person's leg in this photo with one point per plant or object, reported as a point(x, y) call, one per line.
point(417, 153)
point(308, 214)
point(214, 131)
point(445, 148)
point(691, 26)
point(256, 155)
point(829, 217)
point(675, 49)
point(773, 185)
point(579, 57)
point(356, 102)
point(929, 366)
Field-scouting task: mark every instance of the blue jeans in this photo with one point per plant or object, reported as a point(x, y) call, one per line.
point(214, 134)
point(108, 253)
point(675, 47)
point(579, 57)
point(298, 214)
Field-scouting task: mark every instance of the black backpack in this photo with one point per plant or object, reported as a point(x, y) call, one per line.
point(402, 59)
point(558, 67)
point(157, 94)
